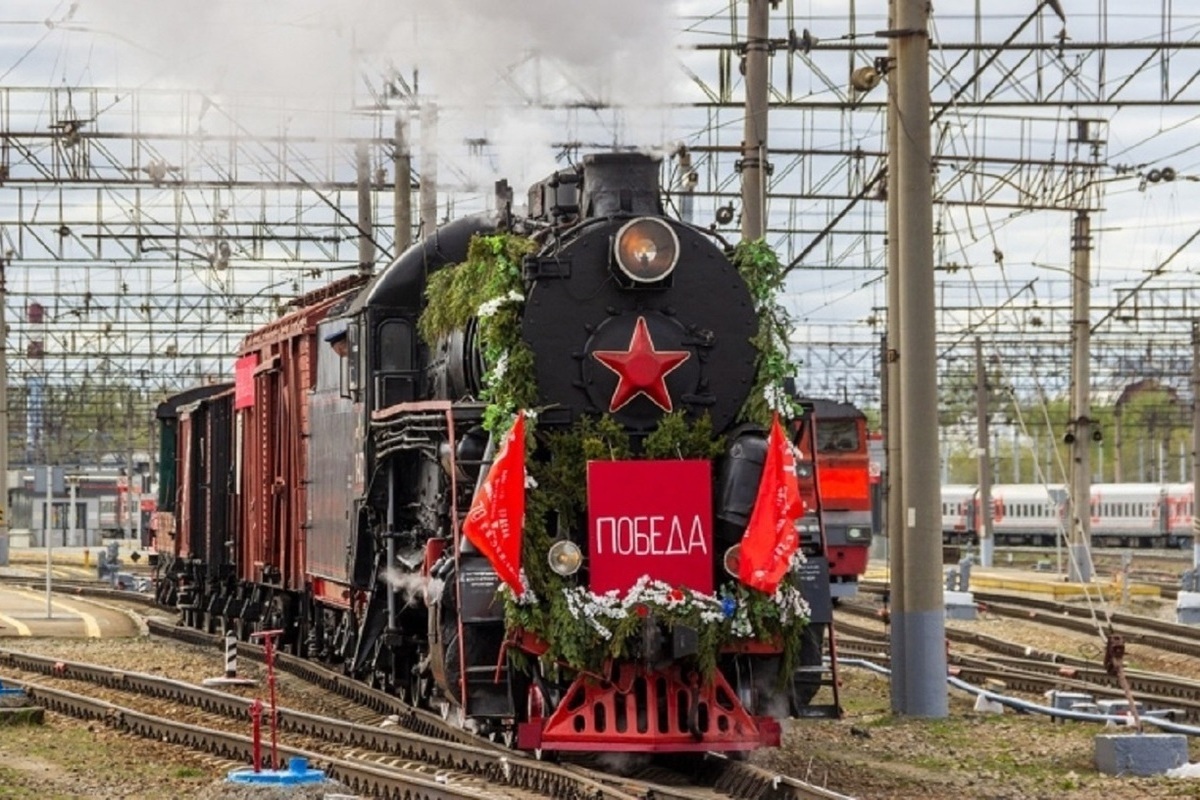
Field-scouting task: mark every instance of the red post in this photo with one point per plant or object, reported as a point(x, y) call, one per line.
point(256, 733)
point(268, 638)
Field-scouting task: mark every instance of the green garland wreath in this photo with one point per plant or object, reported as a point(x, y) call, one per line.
point(765, 277)
point(582, 630)
point(488, 287)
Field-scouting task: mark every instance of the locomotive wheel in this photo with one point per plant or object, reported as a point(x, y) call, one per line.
point(504, 734)
point(420, 690)
point(452, 712)
point(412, 689)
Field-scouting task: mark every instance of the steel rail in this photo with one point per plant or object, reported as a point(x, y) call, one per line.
point(374, 780)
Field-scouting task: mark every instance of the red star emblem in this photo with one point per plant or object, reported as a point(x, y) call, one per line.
point(641, 369)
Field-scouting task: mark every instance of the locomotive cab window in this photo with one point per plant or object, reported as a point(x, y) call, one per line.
point(395, 346)
point(333, 366)
point(837, 436)
point(395, 380)
point(352, 368)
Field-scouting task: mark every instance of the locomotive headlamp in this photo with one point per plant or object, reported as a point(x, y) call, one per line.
point(855, 534)
point(732, 560)
point(565, 558)
point(646, 249)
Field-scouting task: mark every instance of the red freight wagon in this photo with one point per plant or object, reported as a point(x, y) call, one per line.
point(194, 519)
point(275, 372)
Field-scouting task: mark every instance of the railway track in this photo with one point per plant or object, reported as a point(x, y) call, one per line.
point(470, 768)
point(417, 736)
point(1168, 636)
point(1025, 669)
point(375, 780)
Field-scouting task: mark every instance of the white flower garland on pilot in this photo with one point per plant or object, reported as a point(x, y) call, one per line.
point(602, 610)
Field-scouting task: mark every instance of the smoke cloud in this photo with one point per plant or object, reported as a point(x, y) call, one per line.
point(415, 589)
point(519, 75)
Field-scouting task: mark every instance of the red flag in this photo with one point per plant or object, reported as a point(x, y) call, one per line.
point(771, 538)
point(497, 514)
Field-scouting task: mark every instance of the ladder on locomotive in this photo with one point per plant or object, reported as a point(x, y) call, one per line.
point(825, 674)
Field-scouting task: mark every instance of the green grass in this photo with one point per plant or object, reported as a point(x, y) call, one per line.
point(10, 788)
point(44, 762)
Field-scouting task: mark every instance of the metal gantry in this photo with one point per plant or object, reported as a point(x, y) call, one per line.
point(145, 231)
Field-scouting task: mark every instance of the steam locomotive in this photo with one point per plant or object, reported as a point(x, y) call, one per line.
point(323, 492)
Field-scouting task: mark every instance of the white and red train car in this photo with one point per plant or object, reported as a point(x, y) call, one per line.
point(1122, 514)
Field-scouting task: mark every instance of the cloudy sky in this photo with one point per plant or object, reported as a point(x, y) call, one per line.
point(488, 63)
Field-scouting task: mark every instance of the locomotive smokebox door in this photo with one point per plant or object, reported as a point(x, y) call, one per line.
point(637, 351)
point(640, 366)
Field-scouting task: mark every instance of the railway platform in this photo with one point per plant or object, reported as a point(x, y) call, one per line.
point(25, 614)
point(24, 611)
point(1042, 582)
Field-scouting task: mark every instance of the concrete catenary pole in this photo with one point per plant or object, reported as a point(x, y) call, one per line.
point(3, 413)
point(366, 227)
point(924, 606)
point(1195, 436)
point(987, 542)
point(892, 439)
point(402, 167)
point(1079, 432)
point(754, 141)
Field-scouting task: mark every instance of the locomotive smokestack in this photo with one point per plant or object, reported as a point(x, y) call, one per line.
point(616, 183)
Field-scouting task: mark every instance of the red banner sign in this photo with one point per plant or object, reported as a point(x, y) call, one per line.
point(243, 381)
point(650, 518)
